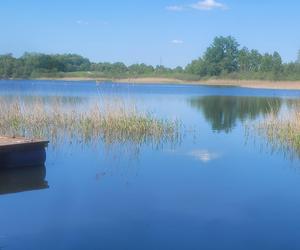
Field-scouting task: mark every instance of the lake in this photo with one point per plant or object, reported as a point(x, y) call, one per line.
point(214, 188)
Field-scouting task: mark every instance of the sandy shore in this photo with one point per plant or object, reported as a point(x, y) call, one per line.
point(238, 83)
point(258, 84)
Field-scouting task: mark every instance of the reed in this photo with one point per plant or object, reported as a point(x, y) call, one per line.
point(282, 131)
point(111, 120)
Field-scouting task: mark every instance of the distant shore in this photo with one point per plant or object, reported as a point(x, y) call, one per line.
point(258, 84)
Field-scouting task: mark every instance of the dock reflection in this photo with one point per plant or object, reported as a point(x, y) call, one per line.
point(22, 179)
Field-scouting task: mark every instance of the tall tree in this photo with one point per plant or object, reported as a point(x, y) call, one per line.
point(197, 67)
point(222, 56)
point(7, 66)
point(244, 60)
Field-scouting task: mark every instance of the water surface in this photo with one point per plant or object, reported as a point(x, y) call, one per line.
point(214, 189)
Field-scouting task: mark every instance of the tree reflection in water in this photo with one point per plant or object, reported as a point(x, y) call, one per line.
point(223, 112)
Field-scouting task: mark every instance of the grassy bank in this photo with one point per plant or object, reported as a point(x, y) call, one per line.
point(258, 84)
point(95, 75)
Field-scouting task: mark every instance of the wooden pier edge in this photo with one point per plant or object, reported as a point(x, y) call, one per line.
point(22, 152)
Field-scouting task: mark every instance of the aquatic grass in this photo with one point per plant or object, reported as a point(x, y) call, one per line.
point(281, 131)
point(111, 120)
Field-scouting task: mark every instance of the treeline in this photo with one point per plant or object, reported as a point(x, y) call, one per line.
point(32, 65)
point(223, 59)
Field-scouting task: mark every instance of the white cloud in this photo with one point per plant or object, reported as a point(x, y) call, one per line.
point(82, 22)
point(175, 41)
point(175, 8)
point(208, 5)
point(200, 5)
point(204, 155)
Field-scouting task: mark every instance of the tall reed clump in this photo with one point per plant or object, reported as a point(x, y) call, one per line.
point(111, 120)
point(282, 131)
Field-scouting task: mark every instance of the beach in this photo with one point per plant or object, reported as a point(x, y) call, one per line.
point(257, 84)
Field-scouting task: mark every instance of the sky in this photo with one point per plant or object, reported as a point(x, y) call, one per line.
point(171, 32)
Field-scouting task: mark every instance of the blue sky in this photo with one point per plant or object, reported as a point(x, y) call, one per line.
point(135, 31)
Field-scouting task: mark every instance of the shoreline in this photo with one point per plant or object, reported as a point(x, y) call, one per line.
point(257, 84)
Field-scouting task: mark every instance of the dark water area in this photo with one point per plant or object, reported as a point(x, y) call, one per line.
point(215, 189)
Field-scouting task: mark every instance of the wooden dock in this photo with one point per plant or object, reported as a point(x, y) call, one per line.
point(21, 152)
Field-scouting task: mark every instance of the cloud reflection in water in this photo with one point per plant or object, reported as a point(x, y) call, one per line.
point(204, 155)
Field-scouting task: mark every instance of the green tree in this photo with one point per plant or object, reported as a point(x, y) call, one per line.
point(255, 61)
point(140, 69)
point(7, 66)
point(267, 63)
point(197, 67)
point(178, 69)
point(160, 69)
point(244, 60)
point(222, 56)
point(277, 62)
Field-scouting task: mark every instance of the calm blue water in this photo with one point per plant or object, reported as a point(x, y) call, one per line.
point(213, 190)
